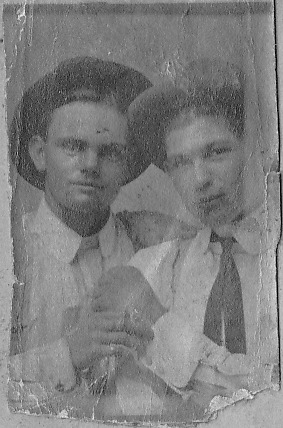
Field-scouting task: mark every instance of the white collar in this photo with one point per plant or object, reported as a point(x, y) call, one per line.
point(63, 242)
point(247, 232)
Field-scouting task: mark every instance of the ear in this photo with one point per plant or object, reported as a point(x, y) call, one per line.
point(37, 152)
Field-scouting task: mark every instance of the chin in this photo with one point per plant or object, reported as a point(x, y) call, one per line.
point(212, 219)
point(87, 203)
point(91, 206)
point(220, 219)
point(85, 207)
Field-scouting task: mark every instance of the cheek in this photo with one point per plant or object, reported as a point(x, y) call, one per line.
point(230, 170)
point(182, 180)
point(59, 167)
point(113, 172)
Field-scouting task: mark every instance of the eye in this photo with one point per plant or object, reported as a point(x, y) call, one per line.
point(73, 146)
point(178, 162)
point(113, 152)
point(217, 152)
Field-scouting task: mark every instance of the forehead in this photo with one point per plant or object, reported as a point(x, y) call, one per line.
point(85, 120)
point(198, 135)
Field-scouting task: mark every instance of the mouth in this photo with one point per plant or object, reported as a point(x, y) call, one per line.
point(89, 185)
point(211, 199)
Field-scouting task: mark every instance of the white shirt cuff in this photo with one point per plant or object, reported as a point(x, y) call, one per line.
point(175, 350)
point(50, 364)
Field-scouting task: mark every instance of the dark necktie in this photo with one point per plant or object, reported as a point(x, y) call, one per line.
point(225, 303)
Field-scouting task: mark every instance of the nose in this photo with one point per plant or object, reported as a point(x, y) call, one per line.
point(202, 174)
point(90, 159)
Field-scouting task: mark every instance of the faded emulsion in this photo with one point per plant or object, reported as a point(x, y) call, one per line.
point(145, 213)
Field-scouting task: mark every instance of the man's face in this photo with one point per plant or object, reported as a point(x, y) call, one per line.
point(84, 157)
point(205, 162)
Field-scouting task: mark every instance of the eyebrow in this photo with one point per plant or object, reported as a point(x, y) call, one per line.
point(81, 140)
point(206, 149)
point(70, 139)
point(217, 142)
point(109, 145)
point(112, 147)
point(179, 156)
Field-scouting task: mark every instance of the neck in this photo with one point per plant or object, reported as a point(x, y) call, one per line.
point(84, 223)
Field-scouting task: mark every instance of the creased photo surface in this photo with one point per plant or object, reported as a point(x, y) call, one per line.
point(143, 154)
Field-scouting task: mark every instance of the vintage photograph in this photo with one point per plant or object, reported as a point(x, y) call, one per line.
point(143, 150)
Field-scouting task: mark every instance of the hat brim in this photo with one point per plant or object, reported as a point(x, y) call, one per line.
point(154, 101)
point(51, 90)
point(147, 115)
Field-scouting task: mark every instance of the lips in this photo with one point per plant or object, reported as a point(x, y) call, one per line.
point(89, 184)
point(211, 199)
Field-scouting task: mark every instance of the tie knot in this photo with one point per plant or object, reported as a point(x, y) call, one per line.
point(225, 241)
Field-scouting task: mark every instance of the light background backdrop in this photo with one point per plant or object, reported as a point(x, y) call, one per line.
point(157, 40)
point(155, 43)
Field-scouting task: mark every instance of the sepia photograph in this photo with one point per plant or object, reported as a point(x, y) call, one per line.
point(145, 211)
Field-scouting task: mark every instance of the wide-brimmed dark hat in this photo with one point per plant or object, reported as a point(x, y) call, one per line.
point(207, 86)
point(87, 75)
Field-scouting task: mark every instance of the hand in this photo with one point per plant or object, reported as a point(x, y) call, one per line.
point(204, 392)
point(124, 290)
point(225, 386)
point(211, 379)
point(98, 335)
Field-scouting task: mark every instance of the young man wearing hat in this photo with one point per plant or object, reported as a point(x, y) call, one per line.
point(219, 333)
point(68, 138)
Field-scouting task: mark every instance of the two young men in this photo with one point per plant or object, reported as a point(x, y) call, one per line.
point(213, 338)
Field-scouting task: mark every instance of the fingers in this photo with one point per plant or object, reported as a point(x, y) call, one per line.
point(114, 339)
point(102, 304)
point(119, 321)
point(141, 329)
point(101, 321)
point(107, 322)
point(204, 392)
point(106, 350)
point(108, 315)
point(85, 356)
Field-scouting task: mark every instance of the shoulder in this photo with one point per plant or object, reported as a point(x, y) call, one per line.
point(23, 244)
point(147, 228)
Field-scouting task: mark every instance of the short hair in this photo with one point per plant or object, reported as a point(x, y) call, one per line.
point(206, 88)
point(85, 96)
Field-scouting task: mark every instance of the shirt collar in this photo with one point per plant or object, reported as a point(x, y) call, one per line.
point(63, 242)
point(108, 237)
point(247, 232)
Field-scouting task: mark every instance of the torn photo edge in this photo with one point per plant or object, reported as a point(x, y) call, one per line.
point(271, 177)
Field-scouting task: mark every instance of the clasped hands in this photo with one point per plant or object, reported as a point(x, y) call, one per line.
point(116, 321)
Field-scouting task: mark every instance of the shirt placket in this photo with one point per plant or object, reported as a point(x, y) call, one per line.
point(91, 265)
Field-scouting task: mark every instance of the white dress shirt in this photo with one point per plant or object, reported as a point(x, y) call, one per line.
point(61, 272)
point(182, 274)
